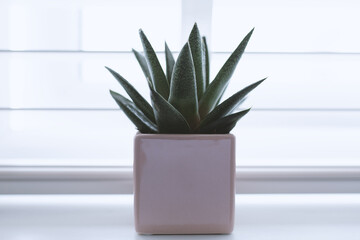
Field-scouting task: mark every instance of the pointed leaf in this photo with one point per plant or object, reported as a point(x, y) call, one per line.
point(228, 105)
point(238, 104)
point(197, 55)
point(206, 61)
point(219, 84)
point(223, 125)
point(157, 75)
point(168, 119)
point(139, 101)
point(142, 62)
point(143, 124)
point(183, 94)
point(169, 63)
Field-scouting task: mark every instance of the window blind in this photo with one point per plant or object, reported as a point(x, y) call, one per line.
point(54, 102)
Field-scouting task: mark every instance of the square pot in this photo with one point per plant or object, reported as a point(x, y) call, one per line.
point(184, 184)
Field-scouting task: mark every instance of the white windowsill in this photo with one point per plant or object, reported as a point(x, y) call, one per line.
point(118, 180)
point(280, 217)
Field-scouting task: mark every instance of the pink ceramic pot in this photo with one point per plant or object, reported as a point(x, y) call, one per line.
point(184, 184)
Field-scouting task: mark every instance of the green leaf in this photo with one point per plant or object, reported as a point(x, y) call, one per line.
point(169, 63)
point(168, 119)
point(183, 94)
point(142, 62)
point(239, 103)
point(197, 55)
point(139, 101)
point(223, 125)
point(206, 61)
point(228, 105)
point(143, 124)
point(157, 75)
point(219, 84)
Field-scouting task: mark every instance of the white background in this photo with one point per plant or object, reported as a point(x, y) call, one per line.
point(54, 100)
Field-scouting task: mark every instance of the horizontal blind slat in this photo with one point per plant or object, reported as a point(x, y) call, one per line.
point(281, 25)
point(262, 138)
point(287, 26)
point(76, 80)
point(88, 24)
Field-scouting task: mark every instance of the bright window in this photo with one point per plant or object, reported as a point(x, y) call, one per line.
point(55, 108)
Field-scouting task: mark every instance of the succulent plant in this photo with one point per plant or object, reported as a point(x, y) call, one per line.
point(184, 101)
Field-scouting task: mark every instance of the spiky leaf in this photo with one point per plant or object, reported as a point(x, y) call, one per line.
point(169, 63)
point(142, 62)
point(157, 75)
point(228, 105)
point(168, 119)
point(223, 125)
point(219, 84)
point(196, 51)
point(139, 101)
point(206, 60)
point(183, 95)
point(143, 124)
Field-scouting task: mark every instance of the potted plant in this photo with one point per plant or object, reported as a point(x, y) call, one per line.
point(184, 156)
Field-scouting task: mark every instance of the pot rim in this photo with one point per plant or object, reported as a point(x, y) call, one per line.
point(183, 136)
